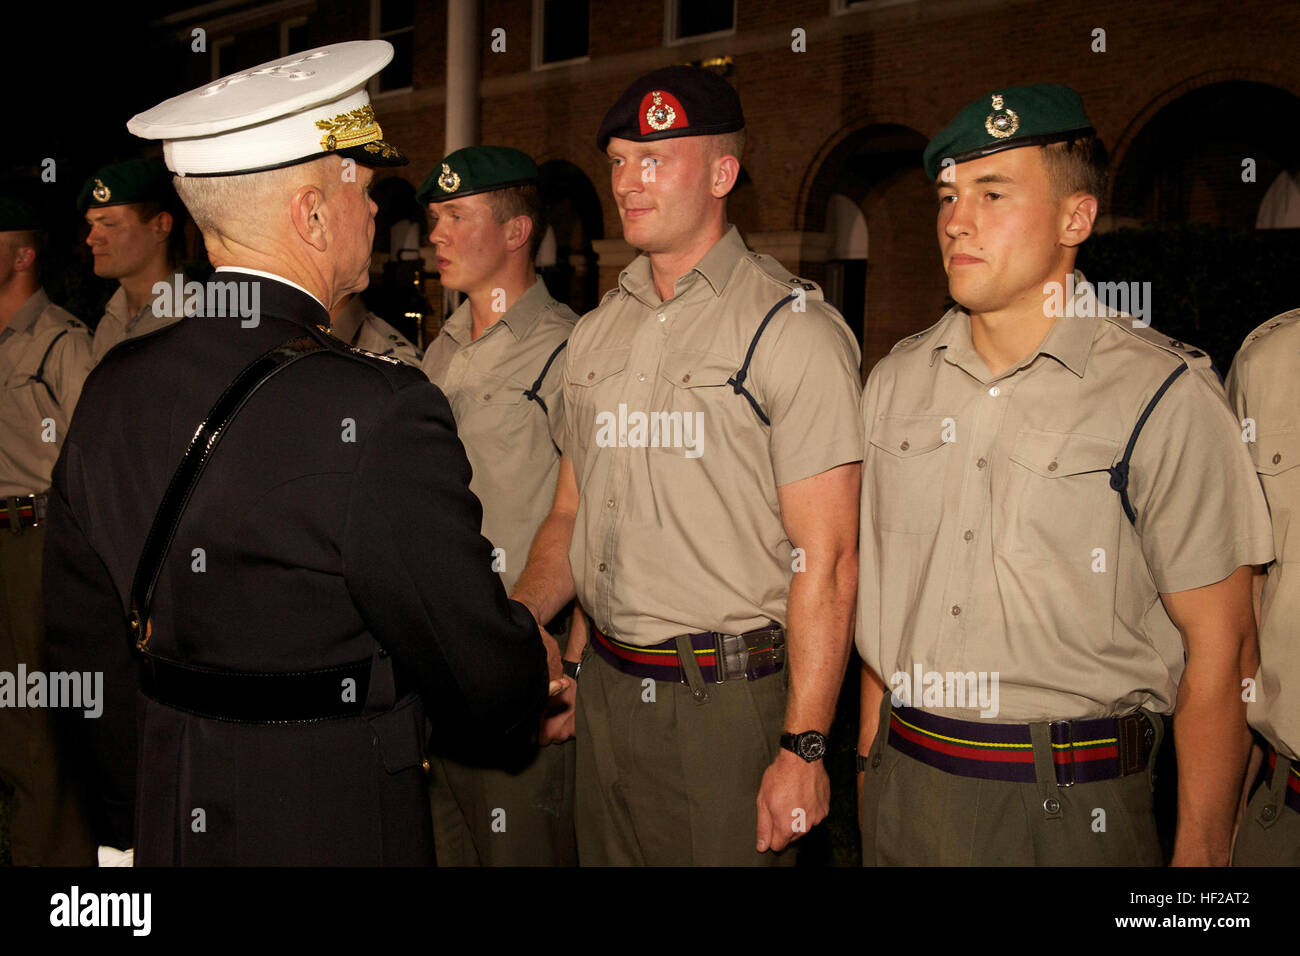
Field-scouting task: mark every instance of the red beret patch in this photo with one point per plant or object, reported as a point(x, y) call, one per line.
point(661, 111)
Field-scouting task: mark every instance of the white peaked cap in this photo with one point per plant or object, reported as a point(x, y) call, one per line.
point(291, 110)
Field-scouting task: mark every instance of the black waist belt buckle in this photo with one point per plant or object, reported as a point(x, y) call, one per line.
point(737, 655)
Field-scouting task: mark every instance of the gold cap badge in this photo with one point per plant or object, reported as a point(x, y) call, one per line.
point(1002, 122)
point(448, 181)
point(101, 192)
point(660, 116)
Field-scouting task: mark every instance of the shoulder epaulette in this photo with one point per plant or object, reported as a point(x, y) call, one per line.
point(1189, 354)
point(1285, 320)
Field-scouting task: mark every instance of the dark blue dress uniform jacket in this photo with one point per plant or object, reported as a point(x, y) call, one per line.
point(316, 551)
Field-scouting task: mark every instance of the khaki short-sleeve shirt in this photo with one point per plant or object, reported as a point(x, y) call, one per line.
point(992, 542)
point(1264, 386)
point(512, 441)
point(37, 400)
point(117, 325)
point(679, 526)
point(375, 335)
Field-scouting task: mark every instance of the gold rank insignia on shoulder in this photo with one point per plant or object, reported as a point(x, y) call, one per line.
point(1003, 121)
point(448, 182)
point(660, 115)
point(101, 192)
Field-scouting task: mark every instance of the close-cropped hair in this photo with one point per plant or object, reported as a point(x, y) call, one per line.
point(1076, 166)
point(523, 200)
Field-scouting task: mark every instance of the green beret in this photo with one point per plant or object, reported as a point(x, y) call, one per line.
point(18, 215)
point(1007, 119)
point(477, 169)
point(136, 180)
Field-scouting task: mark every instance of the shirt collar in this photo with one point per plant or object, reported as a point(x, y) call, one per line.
point(29, 311)
point(716, 266)
point(519, 318)
point(522, 316)
point(270, 275)
point(1069, 340)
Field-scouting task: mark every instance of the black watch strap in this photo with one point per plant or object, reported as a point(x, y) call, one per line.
point(809, 745)
point(571, 668)
point(863, 762)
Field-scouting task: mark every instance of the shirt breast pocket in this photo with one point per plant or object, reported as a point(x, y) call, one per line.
point(699, 398)
point(489, 410)
point(593, 382)
point(1276, 453)
point(908, 465)
point(1058, 502)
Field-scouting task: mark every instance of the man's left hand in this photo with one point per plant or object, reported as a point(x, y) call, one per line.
point(794, 797)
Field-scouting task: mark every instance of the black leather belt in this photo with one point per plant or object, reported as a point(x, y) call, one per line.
point(294, 697)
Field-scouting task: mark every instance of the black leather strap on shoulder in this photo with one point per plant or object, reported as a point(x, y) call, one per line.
point(737, 381)
point(40, 369)
point(532, 393)
point(1119, 471)
point(191, 467)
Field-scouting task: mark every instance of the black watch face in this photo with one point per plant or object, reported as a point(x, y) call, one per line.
point(812, 746)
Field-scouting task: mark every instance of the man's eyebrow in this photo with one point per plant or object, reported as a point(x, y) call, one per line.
point(980, 180)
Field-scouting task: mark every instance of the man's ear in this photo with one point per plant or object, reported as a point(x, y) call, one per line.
point(1079, 212)
point(310, 218)
point(519, 229)
point(24, 259)
point(723, 174)
point(161, 225)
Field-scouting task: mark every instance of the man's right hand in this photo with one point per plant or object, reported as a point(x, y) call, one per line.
point(554, 668)
point(558, 719)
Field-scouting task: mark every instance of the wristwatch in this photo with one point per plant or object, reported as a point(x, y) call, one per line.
point(810, 745)
point(571, 668)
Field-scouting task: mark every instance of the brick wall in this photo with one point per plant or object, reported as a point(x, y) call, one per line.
point(913, 64)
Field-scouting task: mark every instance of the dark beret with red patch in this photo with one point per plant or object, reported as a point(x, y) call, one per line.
point(673, 101)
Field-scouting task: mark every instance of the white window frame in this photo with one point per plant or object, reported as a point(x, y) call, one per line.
point(539, 14)
point(671, 7)
point(841, 7)
point(373, 85)
point(285, 27)
point(228, 40)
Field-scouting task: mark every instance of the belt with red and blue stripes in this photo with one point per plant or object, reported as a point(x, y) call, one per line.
point(722, 657)
point(1292, 783)
point(1083, 751)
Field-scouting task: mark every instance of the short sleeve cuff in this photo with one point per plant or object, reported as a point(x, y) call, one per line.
point(815, 461)
point(1213, 569)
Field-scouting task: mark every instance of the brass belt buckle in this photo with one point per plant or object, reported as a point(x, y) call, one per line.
point(1069, 742)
